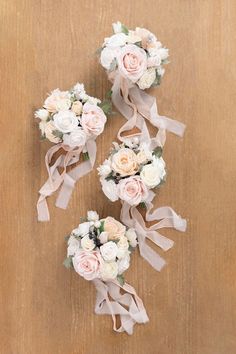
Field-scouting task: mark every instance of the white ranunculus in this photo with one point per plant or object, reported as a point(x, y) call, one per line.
point(107, 57)
point(77, 137)
point(117, 27)
point(109, 251)
point(153, 173)
point(92, 215)
point(103, 237)
point(147, 79)
point(105, 169)
point(73, 246)
point(117, 40)
point(83, 229)
point(163, 53)
point(87, 243)
point(42, 114)
point(132, 237)
point(123, 264)
point(109, 270)
point(65, 121)
point(109, 189)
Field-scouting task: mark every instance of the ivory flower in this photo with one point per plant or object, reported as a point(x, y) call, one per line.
point(132, 237)
point(65, 121)
point(147, 79)
point(42, 114)
point(58, 100)
point(48, 131)
point(107, 57)
point(92, 215)
point(87, 244)
point(123, 264)
point(124, 162)
point(76, 138)
point(109, 189)
point(109, 251)
point(109, 270)
point(114, 228)
point(77, 107)
point(153, 173)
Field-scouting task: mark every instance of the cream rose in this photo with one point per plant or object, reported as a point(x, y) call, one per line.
point(109, 270)
point(109, 188)
point(147, 79)
point(132, 62)
point(87, 243)
point(144, 155)
point(132, 190)
point(153, 173)
point(93, 119)
point(65, 121)
point(77, 107)
point(114, 228)
point(124, 162)
point(107, 57)
point(88, 264)
point(49, 128)
point(103, 237)
point(73, 246)
point(77, 137)
point(109, 251)
point(58, 100)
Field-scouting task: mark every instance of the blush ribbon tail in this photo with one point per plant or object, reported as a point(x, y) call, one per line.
point(128, 306)
point(166, 217)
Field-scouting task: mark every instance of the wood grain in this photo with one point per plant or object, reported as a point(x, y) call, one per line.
point(46, 309)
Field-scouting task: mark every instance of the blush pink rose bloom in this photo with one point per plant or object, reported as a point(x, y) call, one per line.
point(132, 62)
point(93, 119)
point(88, 264)
point(58, 100)
point(132, 190)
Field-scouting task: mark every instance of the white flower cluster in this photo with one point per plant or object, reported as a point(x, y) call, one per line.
point(71, 117)
point(101, 248)
point(131, 171)
point(136, 54)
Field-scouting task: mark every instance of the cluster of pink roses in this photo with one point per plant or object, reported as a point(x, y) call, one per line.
point(131, 171)
point(100, 249)
point(136, 54)
point(71, 117)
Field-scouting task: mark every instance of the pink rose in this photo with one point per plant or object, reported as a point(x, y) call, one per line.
point(88, 264)
point(132, 190)
point(93, 119)
point(132, 62)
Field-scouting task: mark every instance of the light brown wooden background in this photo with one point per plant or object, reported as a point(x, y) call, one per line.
point(46, 309)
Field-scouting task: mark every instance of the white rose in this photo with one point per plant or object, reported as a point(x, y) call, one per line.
point(42, 126)
point(110, 189)
point(105, 169)
point(77, 137)
point(153, 173)
point(109, 270)
point(65, 121)
point(103, 237)
point(93, 100)
point(132, 237)
point(83, 229)
point(49, 128)
point(109, 251)
point(92, 215)
point(117, 40)
point(97, 224)
point(42, 114)
point(133, 38)
point(63, 104)
point(73, 246)
point(107, 57)
point(163, 53)
point(117, 27)
point(154, 61)
point(147, 79)
point(123, 264)
point(87, 243)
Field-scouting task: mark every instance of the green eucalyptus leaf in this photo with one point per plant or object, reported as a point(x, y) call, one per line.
point(85, 156)
point(124, 29)
point(121, 279)
point(68, 262)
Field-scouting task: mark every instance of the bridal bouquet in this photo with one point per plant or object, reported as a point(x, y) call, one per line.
point(130, 172)
point(71, 117)
point(99, 251)
point(71, 120)
point(136, 54)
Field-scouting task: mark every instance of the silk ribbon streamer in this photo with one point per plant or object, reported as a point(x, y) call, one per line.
point(131, 217)
point(128, 306)
point(65, 179)
point(136, 106)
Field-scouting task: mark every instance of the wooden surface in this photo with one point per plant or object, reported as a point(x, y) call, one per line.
point(46, 309)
